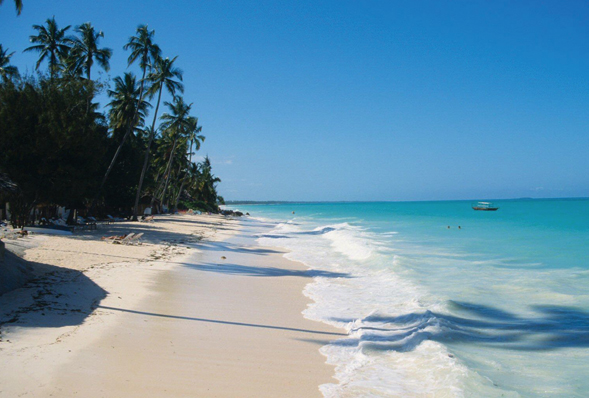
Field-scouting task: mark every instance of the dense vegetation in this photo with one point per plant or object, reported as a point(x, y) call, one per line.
point(61, 149)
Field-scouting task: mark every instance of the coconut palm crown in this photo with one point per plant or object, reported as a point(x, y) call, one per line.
point(85, 51)
point(143, 48)
point(7, 71)
point(50, 42)
point(163, 75)
point(125, 103)
point(177, 122)
point(193, 134)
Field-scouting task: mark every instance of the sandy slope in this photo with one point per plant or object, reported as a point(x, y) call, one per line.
point(162, 319)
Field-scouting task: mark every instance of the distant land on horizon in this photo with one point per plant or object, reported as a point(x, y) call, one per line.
point(280, 202)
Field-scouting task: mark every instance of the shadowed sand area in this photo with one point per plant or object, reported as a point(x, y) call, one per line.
point(196, 326)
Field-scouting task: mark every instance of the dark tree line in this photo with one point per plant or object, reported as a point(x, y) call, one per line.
point(59, 148)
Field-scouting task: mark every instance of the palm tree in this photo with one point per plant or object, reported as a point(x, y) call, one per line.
point(207, 183)
point(171, 143)
point(125, 105)
point(85, 50)
point(161, 155)
point(163, 74)
point(147, 52)
point(18, 4)
point(68, 67)
point(7, 71)
point(176, 124)
point(195, 140)
point(143, 48)
point(193, 173)
point(52, 44)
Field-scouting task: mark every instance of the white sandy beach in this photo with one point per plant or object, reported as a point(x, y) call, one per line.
point(198, 310)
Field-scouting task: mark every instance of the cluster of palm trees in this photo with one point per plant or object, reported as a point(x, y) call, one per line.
point(169, 146)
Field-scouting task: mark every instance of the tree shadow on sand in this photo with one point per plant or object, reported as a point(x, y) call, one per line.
point(225, 246)
point(57, 297)
point(551, 328)
point(220, 321)
point(246, 270)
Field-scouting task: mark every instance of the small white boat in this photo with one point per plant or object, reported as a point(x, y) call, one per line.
point(485, 206)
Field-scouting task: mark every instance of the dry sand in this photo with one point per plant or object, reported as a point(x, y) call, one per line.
point(198, 310)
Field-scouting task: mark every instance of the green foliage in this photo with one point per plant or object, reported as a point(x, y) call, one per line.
point(198, 205)
point(85, 51)
point(125, 103)
point(119, 191)
point(53, 147)
point(164, 74)
point(7, 71)
point(60, 150)
point(51, 43)
point(143, 48)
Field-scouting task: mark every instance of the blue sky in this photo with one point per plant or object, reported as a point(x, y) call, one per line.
point(391, 100)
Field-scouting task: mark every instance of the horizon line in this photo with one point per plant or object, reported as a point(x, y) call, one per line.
point(396, 201)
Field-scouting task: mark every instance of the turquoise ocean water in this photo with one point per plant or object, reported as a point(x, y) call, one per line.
point(497, 308)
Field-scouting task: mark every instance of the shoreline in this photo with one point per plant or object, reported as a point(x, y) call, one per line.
point(195, 325)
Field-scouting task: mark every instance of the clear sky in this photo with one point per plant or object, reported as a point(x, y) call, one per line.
point(366, 100)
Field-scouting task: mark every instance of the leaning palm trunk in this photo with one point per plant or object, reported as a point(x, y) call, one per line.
point(110, 167)
point(129, 130)
point(160, 186)
point(183, 178)
point(156, 192)
point(169, 170)
point(179, 193)
point(159, 191)
point(177, 197)
point(173, 197)
point(146, 158)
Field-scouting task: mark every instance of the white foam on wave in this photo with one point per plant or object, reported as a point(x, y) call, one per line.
point(431, 320)
point(389, 318)
point(350, 241)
